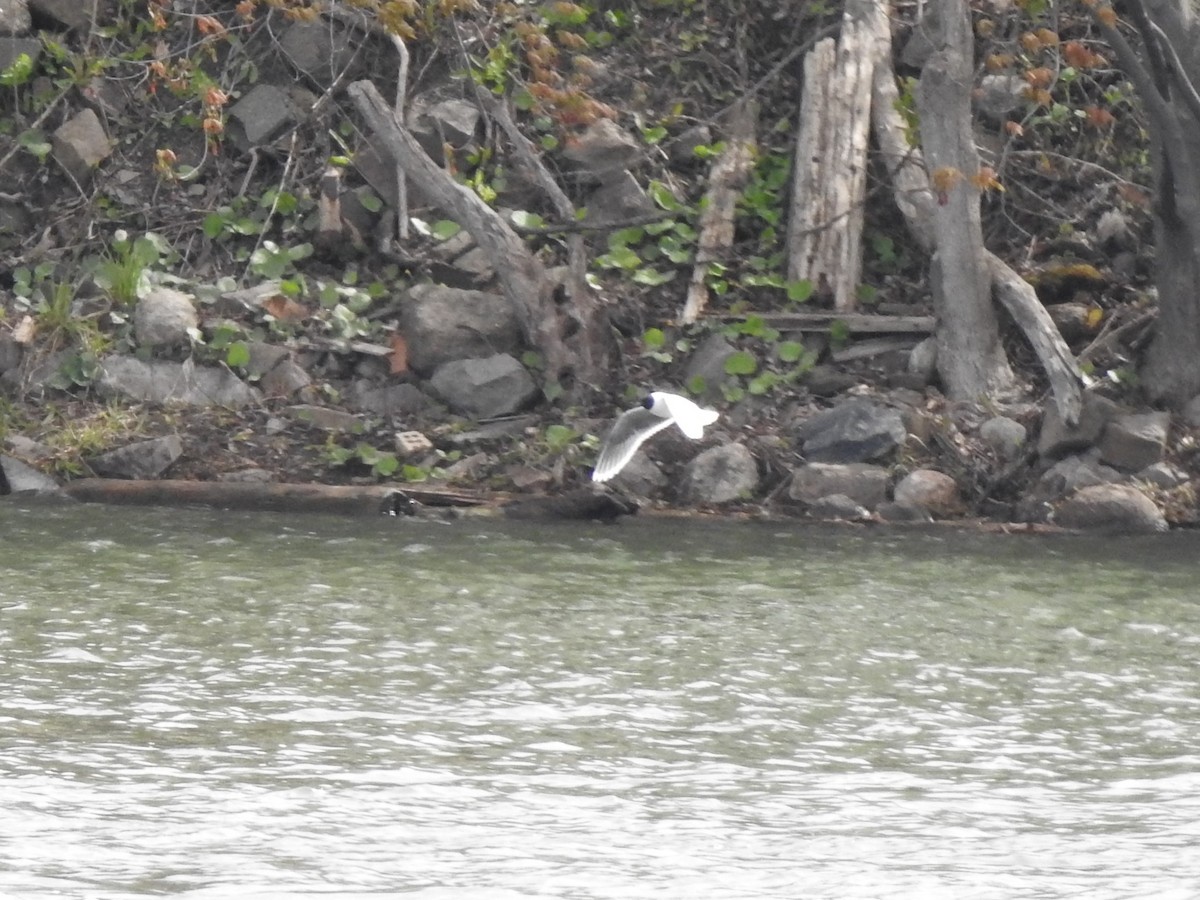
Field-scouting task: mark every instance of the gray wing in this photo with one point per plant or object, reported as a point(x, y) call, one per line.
point(628, 433)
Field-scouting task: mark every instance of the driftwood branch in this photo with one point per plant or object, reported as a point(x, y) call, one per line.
point(715, 227)
point(1019, 298)
point(592, 356)
point(522, 276)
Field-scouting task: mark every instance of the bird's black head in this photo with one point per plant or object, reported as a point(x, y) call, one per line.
point(648, 401)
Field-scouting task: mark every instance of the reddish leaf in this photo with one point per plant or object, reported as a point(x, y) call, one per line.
point(285, 309)
point(399, 354)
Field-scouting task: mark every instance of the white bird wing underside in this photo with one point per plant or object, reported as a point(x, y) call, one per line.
point(690, 418)
point(629, 432)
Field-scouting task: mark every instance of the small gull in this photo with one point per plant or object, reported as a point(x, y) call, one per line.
point(635, 425)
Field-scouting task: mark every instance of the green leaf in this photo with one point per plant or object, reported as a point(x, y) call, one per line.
point(654, 135)
point(414, 473)
point(620, 240)
point(238, 355)
point(741, 363)
point(386, 465)
point(623, 258)
point(444, 229)
point(799, 291)
point(654, 338)
point(661, 194)
point(790, 351)
point(370, 202)
point(523, 219)
point(653, 277)
point(559, 436)
point(696, 385)
point(213, 225)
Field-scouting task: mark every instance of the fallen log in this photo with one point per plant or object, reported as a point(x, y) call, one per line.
point(354, 500)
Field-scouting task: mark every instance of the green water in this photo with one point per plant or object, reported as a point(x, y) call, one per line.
point(199, 704)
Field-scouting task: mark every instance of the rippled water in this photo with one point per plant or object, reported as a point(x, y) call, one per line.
point(205, 705)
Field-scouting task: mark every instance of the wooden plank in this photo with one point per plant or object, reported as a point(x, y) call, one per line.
point(856, 323)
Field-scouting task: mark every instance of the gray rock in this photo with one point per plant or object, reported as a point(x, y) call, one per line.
point(322, 50)
point(442, 324)
point(1135, 441)
point(1074, 472)
point(999, 95)
point(865, 484)
point(1190, 414)
point(721, 474)
point(477, 264)
point(930, 490)
point(26, 447)
point(497, 385)
point(1163, 475)
point(163, 318)
point(618, 199)
point(454, 120)
point(1111, 508)
point(829, 381)
point(682, 150)
point(854, 431)
point(325, 418)
point(10, 352)
point(707, 362)
point(262, 113)
point(603, 149)
point(140, 460)
point(70, 13)
point(17, 477)
point(1058, 439)
point(159, 381)
point(284, 380)
point(1005, 436)
point(264, 357)
point(641, 476)
point(12, 48)
point(80, 144)
point(838, 507)
point(14, 18)
point(388, 400)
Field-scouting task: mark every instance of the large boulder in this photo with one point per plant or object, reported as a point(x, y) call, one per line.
point(160, 381)
point(855, 431)
point(721, 474)
point(1133, 442)
point(1111, 508)
point(931, 491)
point(863, 483)
point(165, 317)
point(442, 324)
point(139, 460)
point(485, 388)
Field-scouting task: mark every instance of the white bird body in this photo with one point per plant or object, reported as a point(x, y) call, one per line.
point(634, 426)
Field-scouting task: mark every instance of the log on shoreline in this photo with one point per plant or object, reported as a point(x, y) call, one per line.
point(354, 500)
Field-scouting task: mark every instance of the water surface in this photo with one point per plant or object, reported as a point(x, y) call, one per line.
point(201, 704)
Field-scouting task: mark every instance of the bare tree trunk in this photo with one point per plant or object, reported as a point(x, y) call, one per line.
point(1166, 73)
point(971, 360)
point(829, 181)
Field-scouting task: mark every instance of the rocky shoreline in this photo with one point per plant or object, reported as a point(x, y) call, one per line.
point(869, 440)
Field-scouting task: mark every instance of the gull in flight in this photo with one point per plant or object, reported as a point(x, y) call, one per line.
point(635, 425)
